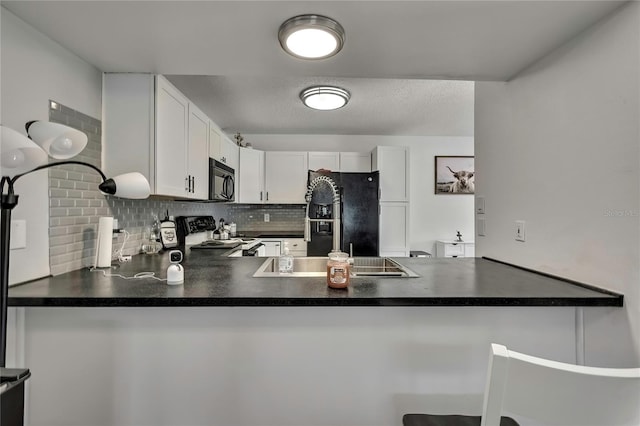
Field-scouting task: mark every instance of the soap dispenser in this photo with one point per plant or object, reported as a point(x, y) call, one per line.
point(285, 261)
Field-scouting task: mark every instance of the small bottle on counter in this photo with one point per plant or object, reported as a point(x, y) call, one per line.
point(338, 270)
point(285, 261)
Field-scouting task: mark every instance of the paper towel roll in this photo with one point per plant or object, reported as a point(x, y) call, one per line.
point(104, 242)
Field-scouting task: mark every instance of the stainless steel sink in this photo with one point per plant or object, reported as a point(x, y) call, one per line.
point(317, 267)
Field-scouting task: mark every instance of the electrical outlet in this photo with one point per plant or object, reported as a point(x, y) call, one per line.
point(266, 217)
point(480, 227)
point(520, 230)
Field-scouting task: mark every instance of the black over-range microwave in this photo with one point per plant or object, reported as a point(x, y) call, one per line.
point(221, 181)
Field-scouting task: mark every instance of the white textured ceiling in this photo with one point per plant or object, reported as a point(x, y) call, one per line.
point(225, 55)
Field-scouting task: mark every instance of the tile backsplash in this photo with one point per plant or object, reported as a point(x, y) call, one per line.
point(76, 204)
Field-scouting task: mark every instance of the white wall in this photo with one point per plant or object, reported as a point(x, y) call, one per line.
point(558, 147)
point(34, 69)
point(433, 216)
point(256, 366)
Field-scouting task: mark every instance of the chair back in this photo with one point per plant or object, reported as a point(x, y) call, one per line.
point(559, 394)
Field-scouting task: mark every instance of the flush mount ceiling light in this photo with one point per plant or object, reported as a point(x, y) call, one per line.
point(324, 97)
point(311, 36)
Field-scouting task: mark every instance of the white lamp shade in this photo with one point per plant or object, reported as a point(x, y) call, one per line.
point(59, 141)
point(128, 185)
point(18, 154)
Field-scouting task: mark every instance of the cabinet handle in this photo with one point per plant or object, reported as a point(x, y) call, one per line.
point(267, 195)
point(260, 195)
point(193, 184)
point(187, 183)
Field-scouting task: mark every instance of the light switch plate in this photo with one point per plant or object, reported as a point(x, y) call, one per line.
point(480, 205)
point(520, 230)
point(18, 234)
point(267, 218)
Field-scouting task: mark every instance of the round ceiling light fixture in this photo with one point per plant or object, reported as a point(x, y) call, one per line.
point(325, 98)
point(311, 36)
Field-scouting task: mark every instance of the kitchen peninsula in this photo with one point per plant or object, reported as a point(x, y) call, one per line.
point(215, 280)
point(282, 349)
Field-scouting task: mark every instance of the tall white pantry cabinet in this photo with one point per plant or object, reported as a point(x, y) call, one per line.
point(149, 126)
point(393, 164)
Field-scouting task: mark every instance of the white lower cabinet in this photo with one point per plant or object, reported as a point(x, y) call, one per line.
point(452, 248)
point(297, 246)
point(275, 247)
point(272, 247)
point(394, 229)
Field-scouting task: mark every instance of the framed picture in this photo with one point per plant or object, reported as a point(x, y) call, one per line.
point(455, 175)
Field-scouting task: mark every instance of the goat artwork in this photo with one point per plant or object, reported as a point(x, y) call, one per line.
point(454, 175)
point(463, 182)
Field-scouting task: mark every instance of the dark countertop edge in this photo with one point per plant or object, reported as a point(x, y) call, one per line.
point(267, 301)
point(272, 234)
point(556, 277)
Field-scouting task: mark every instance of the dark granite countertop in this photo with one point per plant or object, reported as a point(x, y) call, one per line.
point(214, 280)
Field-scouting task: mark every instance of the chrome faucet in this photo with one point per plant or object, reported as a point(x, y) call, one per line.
point(336, 209)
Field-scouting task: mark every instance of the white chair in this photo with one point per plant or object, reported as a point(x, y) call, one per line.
point(549, 393)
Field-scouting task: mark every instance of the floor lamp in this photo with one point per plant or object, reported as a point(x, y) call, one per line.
point(21, 155)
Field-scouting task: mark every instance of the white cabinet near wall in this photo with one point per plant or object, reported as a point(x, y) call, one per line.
point(394, 229)
point(250, 176)
point(272, 247)
point(146, 125)
point(355, 162)
point(285, 178)
point(452, 248)
point(393, 164)
point(324, 160)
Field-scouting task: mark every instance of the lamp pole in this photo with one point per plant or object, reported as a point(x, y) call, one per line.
point(8, 202)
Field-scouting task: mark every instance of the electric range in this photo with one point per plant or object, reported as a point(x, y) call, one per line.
point(196, 232)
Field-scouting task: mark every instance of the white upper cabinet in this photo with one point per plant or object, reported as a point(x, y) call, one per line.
point(355, 162)
point(215, 141)
point(146, 129)
point(198, 153)
point(221, 148)
point(230, 153)
point(250, 178)
point(324, 160)
point(285, 177)
point(393, 164)
point(172, 116)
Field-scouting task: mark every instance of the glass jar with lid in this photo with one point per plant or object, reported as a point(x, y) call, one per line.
point(338, 270)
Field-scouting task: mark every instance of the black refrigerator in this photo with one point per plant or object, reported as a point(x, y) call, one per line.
point(359, 214)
